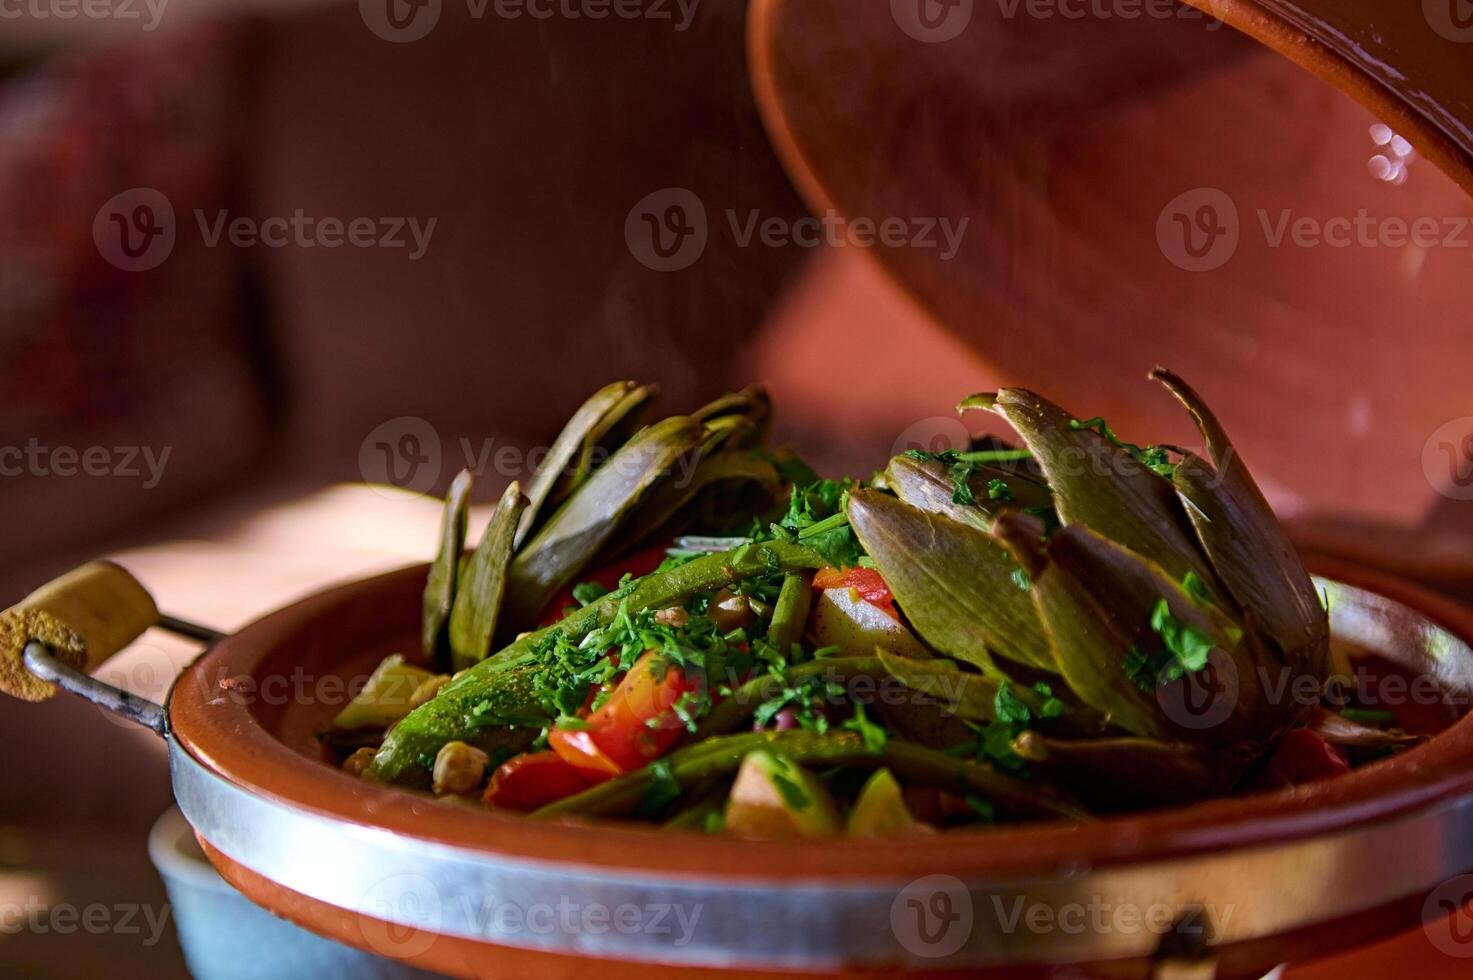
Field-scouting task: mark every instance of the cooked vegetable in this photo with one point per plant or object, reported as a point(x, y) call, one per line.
point(387, 696)
point(880, 810)
point(439, 594)
point(637, 724)
point(478, 598)
point(497, 701)
point(1042, 631)
point(568, 446)
point(774, 798)
point(856, 627)
point(459, 769)
point(571, 539)
point(532, 780)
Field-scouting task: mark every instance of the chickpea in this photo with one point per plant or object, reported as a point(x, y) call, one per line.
point(730, 611)
point(355, 764)
point(459, 768)
point(426, 692)
point(674, 617)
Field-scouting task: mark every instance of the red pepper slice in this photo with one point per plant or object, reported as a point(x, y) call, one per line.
point(1303, 756)
point(532, 780)
point(867, 582)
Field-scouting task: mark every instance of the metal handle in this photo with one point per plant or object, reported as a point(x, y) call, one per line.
point(39, 661)
point(58, 635)
point(139, 710)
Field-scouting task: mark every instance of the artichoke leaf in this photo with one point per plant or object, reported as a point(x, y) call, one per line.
point(1246, 543)
point(588, 520)
point(1337, 729)
point(1114, 774)
point(479, 597)
point(1100, 485)
point(666, 501)
point(927, 484)
point(566, 447)
point(955, 583)
point(1096, 600)
point(752, 403)
point(613, 429)
point(971, 697)
point(439, 593)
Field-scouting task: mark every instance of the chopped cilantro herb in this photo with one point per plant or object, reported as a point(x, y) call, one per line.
point(1185, 651)
point(1009, 708)
point(986, 812)
point(873, 735)
point(1368, 716)
point(586, 592)
point(816, 517)
point(793, 795)
point(1154, 458)
point(1051, 707)
point(663, 789)
point(1196, 588)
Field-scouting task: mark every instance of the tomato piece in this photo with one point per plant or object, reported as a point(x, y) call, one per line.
point(1303, 756)
point(581, 751)
point(532, 780)
point(638, 564)
point(867, 582)
point(636, 725)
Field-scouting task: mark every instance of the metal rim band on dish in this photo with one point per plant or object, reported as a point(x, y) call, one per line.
point(938, 921)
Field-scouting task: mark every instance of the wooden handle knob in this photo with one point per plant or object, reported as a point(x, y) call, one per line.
point(85, 616)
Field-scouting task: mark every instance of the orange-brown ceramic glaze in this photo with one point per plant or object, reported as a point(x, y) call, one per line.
point(1069, 143)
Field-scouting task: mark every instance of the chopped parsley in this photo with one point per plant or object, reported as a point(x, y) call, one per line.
point(816, 517)
point(1184, 651)
point(1197, 589)
point(586, 592)
point(1155, 458)
point(871, 734)
point(663, 789)
point(993, 741)
point(793, 795)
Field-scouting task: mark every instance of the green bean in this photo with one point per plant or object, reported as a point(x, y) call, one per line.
point(732, 712)
point(708, 801)
point(501, 690)
point(790, 615)
point(722, 755)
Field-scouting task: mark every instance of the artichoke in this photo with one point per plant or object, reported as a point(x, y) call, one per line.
point(607, 485)
point(1151, 589)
